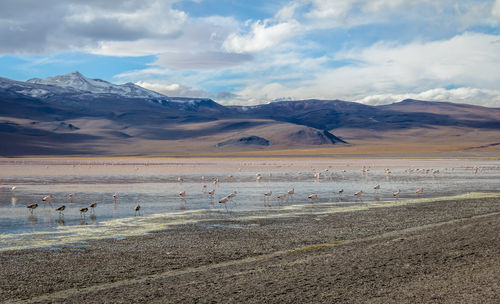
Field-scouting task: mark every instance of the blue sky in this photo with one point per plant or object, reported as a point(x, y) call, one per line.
point(250, 52)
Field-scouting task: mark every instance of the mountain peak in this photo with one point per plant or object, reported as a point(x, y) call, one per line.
point(76, 80)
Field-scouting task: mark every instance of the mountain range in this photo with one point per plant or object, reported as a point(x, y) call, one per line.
point(75, 115)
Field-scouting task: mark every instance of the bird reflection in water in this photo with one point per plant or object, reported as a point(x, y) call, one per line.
point(13, 201)
point(83, 223)
point(60, 221)
point(33, 219)
point(93, 218)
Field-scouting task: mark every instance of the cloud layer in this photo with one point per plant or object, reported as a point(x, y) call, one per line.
point(372, 51)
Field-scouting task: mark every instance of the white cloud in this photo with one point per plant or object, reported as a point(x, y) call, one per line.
point(388, 69)
point(261, 36)
point(495, 11)
point(200, 60)
point(40, 27)
point(474, 96)
point(288, 11)
point(155, 18)
point(330, 9)
point(469, 59)
point(175, 90)
point(351, 13)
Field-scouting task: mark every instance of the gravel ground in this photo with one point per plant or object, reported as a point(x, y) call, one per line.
point(437, 252)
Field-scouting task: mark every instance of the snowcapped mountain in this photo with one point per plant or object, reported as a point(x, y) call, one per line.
point(78, 82)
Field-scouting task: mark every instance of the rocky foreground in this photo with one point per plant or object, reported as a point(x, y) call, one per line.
point(435, 252)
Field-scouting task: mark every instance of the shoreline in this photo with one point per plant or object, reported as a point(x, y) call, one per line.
point(278, 257)
point(67, 236)
point(375, 156)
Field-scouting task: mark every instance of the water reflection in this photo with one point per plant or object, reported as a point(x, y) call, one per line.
point(32, 219)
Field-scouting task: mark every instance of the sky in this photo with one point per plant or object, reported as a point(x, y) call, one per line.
point(253, 52)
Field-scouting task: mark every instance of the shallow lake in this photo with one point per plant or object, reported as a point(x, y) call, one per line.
point(155, 184)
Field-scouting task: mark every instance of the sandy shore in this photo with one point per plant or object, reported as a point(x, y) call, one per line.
point(434, 252)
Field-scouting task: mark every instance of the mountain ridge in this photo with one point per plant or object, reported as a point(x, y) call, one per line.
point(101, 113)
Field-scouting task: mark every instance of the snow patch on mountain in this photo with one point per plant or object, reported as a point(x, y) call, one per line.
point(77, 81)
point(36, 93)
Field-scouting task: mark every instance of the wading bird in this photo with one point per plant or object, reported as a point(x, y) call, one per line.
point(83, 211)
point(60, 209)
point(420, 190)
point(137, 209)
point(232, 194)
point(397, 193)
point(47, 199)
point(93, 205)
point(115, 197)
point(313, 197)
point(32, 207)
point(359, 193)
point(224, 200)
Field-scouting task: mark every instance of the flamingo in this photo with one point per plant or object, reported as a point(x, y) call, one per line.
point(359, 193)
point(396, 194)
point(180, 179)
point(420, 190)
point(229, 178)
point(71, 196)
point(267, 194)
point(182, 193)
point(60, 209)
point(47, 198)
point(341, 191)
point(13, 189)
point(258, 178)
point(291, 192)
point(313, 197)
point(377, 187)
point(281, 197)
point(224, 200)
point(232, 194)
point(32, 207)
point(115, 197)
point(137, 209)
point(211, 192)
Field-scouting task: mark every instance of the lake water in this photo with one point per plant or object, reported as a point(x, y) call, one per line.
point(154, 185)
